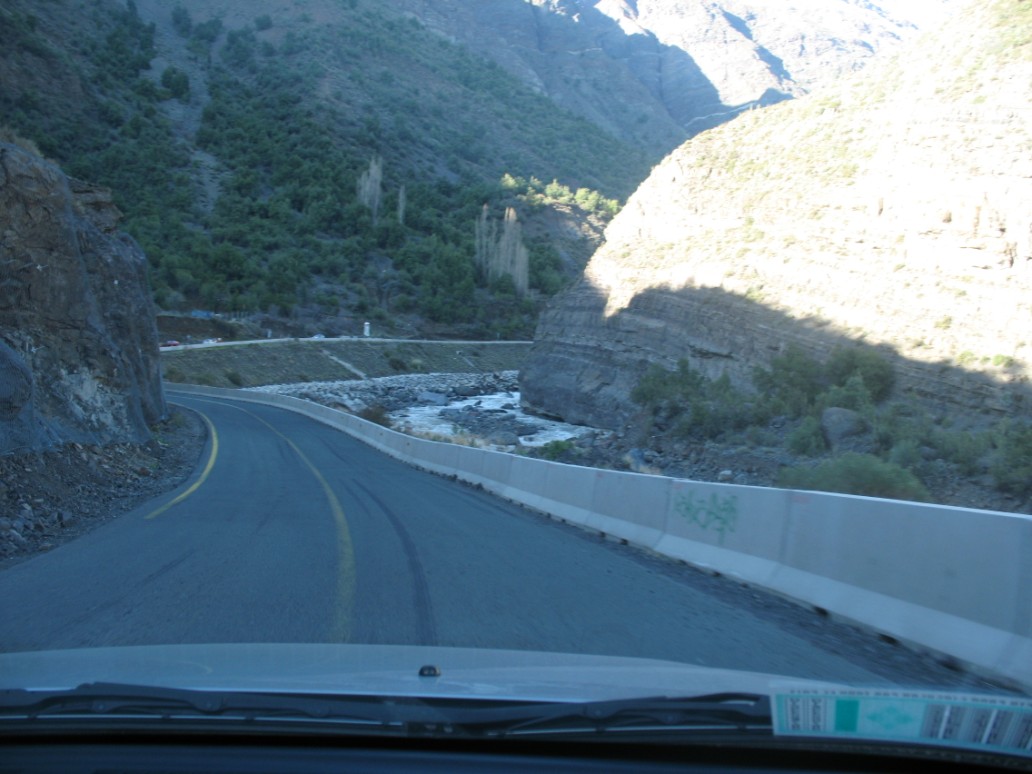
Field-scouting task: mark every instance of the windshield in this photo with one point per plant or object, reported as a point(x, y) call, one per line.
point(568, 350)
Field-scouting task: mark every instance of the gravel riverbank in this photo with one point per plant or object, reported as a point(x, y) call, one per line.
point(481, 409)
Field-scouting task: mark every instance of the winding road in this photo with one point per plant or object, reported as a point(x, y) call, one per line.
point(291, 531)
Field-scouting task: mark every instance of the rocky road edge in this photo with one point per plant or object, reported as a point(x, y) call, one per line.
point(51, 497)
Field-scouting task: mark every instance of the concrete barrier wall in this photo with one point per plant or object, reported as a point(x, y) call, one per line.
point(953, 580)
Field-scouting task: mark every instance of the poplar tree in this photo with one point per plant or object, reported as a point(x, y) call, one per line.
point(513, 257)
point(369, 187)
point(486, 243)
point(502, 255)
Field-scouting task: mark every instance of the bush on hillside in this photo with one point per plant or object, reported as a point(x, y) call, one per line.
point(808, 439)
point(796, 384)
point(872, 366)
point(1012, 468)
point(791, 383)
point(696, 407)
point(859, 474)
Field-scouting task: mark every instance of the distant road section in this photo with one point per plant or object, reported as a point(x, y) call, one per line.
point(289, 361)
point(248, 342)
point(294, 532)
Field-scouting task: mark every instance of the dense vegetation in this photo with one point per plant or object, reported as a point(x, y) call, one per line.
point(900, 445)
point(291, 224)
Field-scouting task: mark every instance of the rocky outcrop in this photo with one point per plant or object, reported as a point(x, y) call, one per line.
point(78, 343)
point(892, 209)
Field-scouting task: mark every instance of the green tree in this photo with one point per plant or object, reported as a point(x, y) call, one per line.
point(447, 284)
point(177, 82)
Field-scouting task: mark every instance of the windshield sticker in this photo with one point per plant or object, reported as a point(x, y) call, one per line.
point(973, 721)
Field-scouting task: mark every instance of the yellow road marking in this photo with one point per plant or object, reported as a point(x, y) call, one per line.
point(204, 474)
point(346, 553)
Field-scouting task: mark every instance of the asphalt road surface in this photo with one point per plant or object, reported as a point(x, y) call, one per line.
point(291, 531)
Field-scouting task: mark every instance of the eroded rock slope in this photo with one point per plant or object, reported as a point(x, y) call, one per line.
point(78, 342)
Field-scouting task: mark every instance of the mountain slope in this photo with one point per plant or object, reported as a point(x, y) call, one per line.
point(237, 154)
point(655, 71)
point(327, 161)
point(891, 210)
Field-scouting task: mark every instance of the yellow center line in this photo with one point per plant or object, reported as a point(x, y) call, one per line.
point(204, 473)
point(346, 554)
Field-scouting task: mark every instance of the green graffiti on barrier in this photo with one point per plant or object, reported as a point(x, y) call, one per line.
point(715, 514)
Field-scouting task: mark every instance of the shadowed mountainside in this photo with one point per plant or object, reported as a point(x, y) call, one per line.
point(655, 71)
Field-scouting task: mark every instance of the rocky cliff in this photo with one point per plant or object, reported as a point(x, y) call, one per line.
point(892, 209)
point(78, 343)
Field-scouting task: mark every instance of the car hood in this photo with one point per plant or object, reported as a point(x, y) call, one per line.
point(380, 670)
point(914, 718)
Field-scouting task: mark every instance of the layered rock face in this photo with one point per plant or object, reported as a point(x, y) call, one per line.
point(78, 342)
point(894, 210)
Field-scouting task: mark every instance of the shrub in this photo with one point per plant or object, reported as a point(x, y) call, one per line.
point(377, 414)
point(906, 454)
point(807, 438)
point(1012, 468)
point(875, 369)
point(961, 447)
point(715, 409)
point(851, 395)
point(235, 378)
point(658, 385)
point(791, 383)
point(700, 408)
point(176, 81)
point(900, 422)
point(555, 450)
point(795, 383)
point(860, 474)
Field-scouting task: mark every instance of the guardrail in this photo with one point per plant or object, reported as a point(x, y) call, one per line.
point(951, 580)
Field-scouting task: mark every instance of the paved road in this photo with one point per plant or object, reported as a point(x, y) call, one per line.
point(291, 531)
point(369, 340)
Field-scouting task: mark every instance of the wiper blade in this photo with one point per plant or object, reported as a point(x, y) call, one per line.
point(416, 716)
point(718, 712)
point(110, 700)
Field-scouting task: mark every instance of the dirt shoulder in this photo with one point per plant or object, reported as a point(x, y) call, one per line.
point(49, 498)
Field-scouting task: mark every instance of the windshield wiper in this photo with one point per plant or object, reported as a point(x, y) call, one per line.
point(416, 716)
point(719, 712)
point(110, 700)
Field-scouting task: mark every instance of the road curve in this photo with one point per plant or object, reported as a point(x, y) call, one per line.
point(291, 531)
